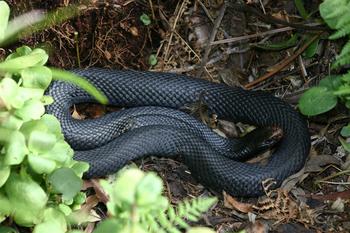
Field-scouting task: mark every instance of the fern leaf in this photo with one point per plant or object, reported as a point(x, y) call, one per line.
point(174, 230)
point(346, 77)
point(332, 10)
point(345, 30)
point(151, 224)
point(341, 60)
point(171, 214)
point(174, 218)
point(205, 203)
point(166, 223)
point(344, 19)
point(181, 209)
point(346, 48)
point(179, 221)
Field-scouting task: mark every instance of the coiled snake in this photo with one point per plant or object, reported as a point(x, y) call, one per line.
point(153, 125)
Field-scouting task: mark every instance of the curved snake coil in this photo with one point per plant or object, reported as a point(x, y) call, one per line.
point(153, 125)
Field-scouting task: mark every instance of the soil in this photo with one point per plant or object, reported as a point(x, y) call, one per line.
point(111, 34)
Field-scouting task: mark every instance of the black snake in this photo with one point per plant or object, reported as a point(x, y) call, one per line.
point(153, 125)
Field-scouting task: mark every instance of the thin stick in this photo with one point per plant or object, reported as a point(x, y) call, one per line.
point(212, 38)
point(283, 64)
point(247, 37)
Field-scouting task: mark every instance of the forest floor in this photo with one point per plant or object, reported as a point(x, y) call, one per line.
point(247, 48)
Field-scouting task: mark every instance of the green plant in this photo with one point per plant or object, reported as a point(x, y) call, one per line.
point(136, 204)
point(333, 88)
point(39, 180)
point(145, 19)
point(336, 13)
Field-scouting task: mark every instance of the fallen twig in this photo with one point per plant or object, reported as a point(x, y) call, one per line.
point(283, 64)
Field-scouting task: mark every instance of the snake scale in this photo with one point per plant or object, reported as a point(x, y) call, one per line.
point(152, 124)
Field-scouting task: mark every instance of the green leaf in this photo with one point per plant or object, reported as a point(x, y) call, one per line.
point(9, 121)
point(41, 142)
point(345, 144)
point(49, 226)
point(66, 210)
point(149, 190)
point(4, 229)
point(26, 93)
point(47, 100)
point(152, 60)
point(331, 82)
point(15, 149)
point(79, 81)
point(36, 77)
point(9, 92)
point(278, 45)
point(27, 199)
point(5, 205)
point(23, 50)
point(317, 100)
point(53, 125)
point(80, 198)
point(343, 90)
point(346, 77)
point(331, 10)
point(4, 17)
point(4, 174)
point(200, 230)
point(80, 167)
point(301, 9)
point(31, 110)
point(61, 153)
point(109, 225)
point(40, 164)
point(145, 19)
point(65, 181)
point(312, 49)
point(23, 62)
point(124, 189)
point(43, 54)
point(30, 126)
point(54, 222)
point(345, 131)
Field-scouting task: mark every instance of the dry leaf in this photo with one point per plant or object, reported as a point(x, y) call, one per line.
point(316, 163)
point(290, 182)
point(232, 203)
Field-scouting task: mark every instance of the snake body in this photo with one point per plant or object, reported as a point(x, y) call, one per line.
point(153, 125)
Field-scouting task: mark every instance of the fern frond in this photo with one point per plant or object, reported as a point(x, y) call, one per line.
point(341, 60)
point(333, 10)
point(336, 13)
point(346, 48)
point(174, 218)
point(346, 77)
point(345, 30)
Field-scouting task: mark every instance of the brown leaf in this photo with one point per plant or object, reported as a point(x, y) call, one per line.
point(76, 115)
point(100, 193)
point(257, 227)
point(316, 163)
point(290, 182)
point(332, 196)
point(232, 203)
point(134, 31)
